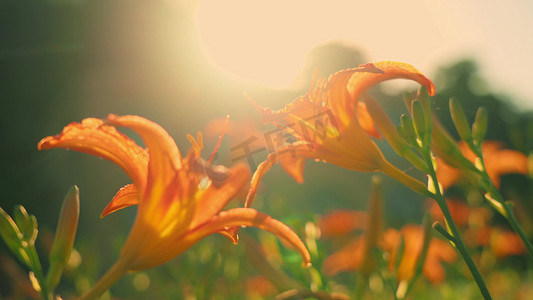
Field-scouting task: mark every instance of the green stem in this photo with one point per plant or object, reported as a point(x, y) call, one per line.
point(420, 188)
point(426, 223)
point(460, 246)
point(110, 277)
point(508, 212)
point(360, 287)
point(443, 232)
point(458, 242)
point(516, 227)
point(38, 271)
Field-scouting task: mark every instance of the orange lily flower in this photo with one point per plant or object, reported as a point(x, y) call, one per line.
point(478, 231)
point(498, 162)
point(341, 222)
point(413, 235)
point(351, 257)
point(180, 199)
point(505, 243)
point(332, 125)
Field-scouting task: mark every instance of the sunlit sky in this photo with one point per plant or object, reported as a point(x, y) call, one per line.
point(266, 41)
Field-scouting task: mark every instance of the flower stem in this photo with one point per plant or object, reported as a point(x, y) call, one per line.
point(460, 246)
point(453, 231)
point(110, 277)
point(516, 227)
point(38, 271)
point(507, 206)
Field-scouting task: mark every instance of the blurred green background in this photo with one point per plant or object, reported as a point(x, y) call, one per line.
point(62, 61)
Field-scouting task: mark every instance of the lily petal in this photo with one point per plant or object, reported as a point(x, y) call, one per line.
point(232, 233)
point(285, 152)
point(94, 137)
point(165, 157)
point(126, 196)
point(339, 100)
point(214, 198)
point(224, 220)
point(362, 81)
point(346, 87)
point(366, 121)
point(294, 166)
point(251, 217)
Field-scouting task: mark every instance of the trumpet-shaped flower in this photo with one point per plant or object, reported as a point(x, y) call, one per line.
point(180, 199)
point(331, 124)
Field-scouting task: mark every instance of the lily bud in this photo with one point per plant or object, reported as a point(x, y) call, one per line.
point(479, 128)
point(12, 236)
point(64, 238)
point(408, 129)
point(446, 148)
point(419, 120)
point(391, 134)
point(27, 224)
point(424, 98)
point(460, 121)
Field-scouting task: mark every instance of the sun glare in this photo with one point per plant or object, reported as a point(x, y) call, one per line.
point(253, 40)
point(267, 41)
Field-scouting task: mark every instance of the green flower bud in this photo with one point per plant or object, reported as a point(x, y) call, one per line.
point(408, 129)
point(12, 236)
point(419, 120)
point(64, 238)
point(446, 148)
point(424, 98)
point(459, 120)
point(8, 228)
point(26, 223)
point(391, 134)
point(479, 128)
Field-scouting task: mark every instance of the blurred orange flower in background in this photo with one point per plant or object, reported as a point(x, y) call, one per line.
point(259, 287)
point(331, 124)
point(180, 199)
point(477, 228)
point(341, 222)
point(498, 162)
point(351, 256)
point(413, 237)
